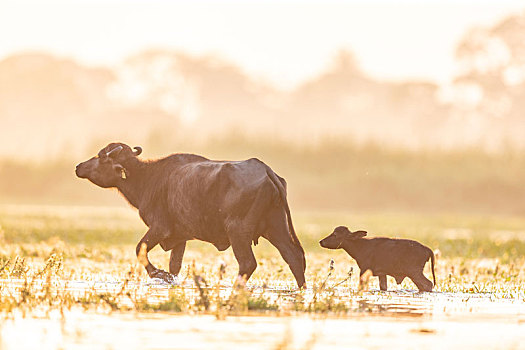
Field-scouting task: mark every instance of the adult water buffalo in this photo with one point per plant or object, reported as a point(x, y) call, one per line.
point(185, 196)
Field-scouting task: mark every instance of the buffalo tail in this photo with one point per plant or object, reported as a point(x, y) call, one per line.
point(282, 194)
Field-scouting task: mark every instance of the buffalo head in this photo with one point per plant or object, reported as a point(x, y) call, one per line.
point(341, 234)
point(107, 168)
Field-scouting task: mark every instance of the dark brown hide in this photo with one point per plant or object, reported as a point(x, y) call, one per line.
point(398, 258)
point(185, 196)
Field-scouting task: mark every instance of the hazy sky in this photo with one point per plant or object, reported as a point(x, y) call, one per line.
point(284, 42)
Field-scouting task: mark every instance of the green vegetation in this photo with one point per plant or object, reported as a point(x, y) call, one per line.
point(99, 229)
point(333, 175)
point(43, 269)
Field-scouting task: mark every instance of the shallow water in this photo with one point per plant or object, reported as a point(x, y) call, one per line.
point(81, 330)
point(401, 319)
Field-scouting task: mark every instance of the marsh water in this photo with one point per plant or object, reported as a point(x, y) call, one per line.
point(399, 319)
point(67, 257)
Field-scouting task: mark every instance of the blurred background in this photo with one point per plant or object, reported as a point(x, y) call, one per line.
point(363, 106)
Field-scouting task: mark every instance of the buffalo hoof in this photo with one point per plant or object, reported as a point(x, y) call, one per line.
point(163, 275)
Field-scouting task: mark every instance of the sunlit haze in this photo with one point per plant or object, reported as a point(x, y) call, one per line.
point(409, 74)
point(281, 42)
point(236, 174)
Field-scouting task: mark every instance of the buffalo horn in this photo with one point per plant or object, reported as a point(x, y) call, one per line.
point(138, 150)
point(114, 152)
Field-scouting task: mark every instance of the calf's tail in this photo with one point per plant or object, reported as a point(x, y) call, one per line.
point(432, 260)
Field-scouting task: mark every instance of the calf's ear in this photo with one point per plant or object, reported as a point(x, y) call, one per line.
point(359, 234)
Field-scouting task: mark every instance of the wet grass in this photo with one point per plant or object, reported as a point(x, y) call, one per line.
point(207, 286)
point(63, 258)
point(467, 236)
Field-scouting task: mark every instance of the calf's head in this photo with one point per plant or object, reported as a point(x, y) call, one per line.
point(107, 168)
point(340, 235)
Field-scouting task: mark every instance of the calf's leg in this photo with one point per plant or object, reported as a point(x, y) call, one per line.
point(399, 278)
point(422, 283)
point(383, 284)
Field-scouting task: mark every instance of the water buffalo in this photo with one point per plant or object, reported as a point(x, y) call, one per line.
point(398, 258)
point(185, 196)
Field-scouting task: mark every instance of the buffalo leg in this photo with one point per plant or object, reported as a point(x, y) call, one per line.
point(149, 241)
point(242, 230)
point(242, 249)
point(176, 257)
point(383, 284)
point(280, 238)
point(422, 283)
point(399, 278)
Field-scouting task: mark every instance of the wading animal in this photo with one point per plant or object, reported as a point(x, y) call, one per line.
point(383, 256)
point(185, 196)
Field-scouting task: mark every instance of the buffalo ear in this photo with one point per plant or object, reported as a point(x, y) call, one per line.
point(122, 170)
point(359, 234)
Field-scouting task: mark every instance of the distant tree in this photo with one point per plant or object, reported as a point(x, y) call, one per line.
point(351, 103)
point(492, 77)
point(205, 92)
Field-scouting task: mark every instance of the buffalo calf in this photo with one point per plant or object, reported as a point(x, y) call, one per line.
point(383, 256)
